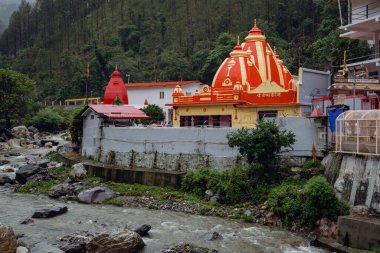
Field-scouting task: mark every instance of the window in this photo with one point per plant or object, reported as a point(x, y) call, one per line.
point(92, 117)
point(267, 114)
point(162, 95)
point(188, 93)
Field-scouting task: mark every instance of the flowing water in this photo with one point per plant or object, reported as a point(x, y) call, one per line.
point(168, 228)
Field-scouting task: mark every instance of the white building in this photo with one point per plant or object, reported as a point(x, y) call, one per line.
point(159, 93)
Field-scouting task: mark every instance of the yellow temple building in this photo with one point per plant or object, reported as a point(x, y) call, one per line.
point(250, 84)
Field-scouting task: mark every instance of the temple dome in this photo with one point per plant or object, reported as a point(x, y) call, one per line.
point(236, 68)
point(115, 88)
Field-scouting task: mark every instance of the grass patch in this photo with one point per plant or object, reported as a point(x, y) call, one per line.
point(42, 187)
point(115, 202)
point(156, 192)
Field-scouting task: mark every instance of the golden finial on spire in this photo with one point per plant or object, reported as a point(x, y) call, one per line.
point(255, 23)
point(238, 41)
point(274, 49)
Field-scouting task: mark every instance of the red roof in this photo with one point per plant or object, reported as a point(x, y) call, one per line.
point(119, 111)
point(315, 114)
point(160, 84)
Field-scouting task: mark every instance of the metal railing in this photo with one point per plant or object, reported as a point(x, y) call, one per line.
point(365, 11)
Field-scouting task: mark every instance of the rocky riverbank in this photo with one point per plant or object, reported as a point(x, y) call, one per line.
point(39, 175)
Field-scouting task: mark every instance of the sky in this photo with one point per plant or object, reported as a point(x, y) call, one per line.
point(7, 7)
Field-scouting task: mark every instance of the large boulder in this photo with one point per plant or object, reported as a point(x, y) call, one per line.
point(21, 249)
point(26, 171)
point(124, 242)
point(74, 243)
point(61, 190)
point(96, 195)
point(20, 132)
point(78, 172)
point(50, 212)
point(8, 242)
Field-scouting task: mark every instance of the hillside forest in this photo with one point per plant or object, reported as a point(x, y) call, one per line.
point(52, 41)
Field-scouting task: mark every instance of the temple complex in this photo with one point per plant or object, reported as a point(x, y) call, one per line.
point(250, 84)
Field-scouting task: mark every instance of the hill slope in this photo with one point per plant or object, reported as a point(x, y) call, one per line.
point(160, 40)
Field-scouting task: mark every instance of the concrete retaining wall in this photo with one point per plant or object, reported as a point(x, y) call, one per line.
point(359, 232)
point(180, 149)
point(356, 179)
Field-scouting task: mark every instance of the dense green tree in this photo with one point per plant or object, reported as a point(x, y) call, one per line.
point(53, 41)
point(154, 112)
point(16, 95)
point(262, 144)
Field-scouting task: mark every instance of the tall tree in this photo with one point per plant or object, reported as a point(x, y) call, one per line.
point(16, 95)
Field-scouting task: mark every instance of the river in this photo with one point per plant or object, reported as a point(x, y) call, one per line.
point(168, 228)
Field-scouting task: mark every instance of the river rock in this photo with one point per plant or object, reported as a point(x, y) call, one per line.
point(74, 243)
point(97, 194)
point(43, 163)
point(5, 179)
point(211, 236)
point(27, 221)
point(14, 143)
point(3, 162)
point(360, 210)
point(52, 142)
point(78, 172)
point(8, 169)
point(4, 146)
point(188, 248)
point(209, 194)
point(22, 250)
point(326, 228)
point(41, 175)
point(61, 190)
point(32, 129)
point(8, 240)
point(143, 229)
point(48, 145)
point(50, 212)
point(124, 242)
point(14, 154)
point(26, 171)
point(20, 132)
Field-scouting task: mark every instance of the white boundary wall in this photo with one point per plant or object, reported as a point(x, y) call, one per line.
point(180, 148)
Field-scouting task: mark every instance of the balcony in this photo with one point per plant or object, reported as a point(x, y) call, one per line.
point(364, 21)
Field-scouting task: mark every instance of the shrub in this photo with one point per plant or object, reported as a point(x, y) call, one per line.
point(235, 187)
point(198, 181)
point(285, 200)
point(48, 120)
point(306, 205)
point(321, 201)
point(310, 164)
